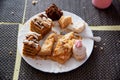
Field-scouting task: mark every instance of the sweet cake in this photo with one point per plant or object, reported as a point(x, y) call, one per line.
point(63, 49)
point(31, 44)
point(41, 24)
point(53, 12)
point(79, 51)
point(47, 46)
point(64, 21)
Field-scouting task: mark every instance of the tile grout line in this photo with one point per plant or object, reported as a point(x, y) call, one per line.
point(9, 23)
point(23, 19)
point(106, 28)
point(17, 62)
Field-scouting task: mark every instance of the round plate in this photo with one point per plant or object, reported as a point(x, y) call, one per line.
point(49, 65)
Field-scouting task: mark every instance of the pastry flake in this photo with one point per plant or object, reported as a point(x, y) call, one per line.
point(63, 49)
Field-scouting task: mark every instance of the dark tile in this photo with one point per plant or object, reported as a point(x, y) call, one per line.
point(8, 46)
point(11, 10)
point(103, 64)
point(82, 8)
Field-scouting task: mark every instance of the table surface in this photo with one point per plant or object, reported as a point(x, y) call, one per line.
point(104, 62)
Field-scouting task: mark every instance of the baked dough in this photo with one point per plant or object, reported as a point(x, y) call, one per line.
point(47, 46)
point(64, 21)
point(63, 49)
point(30, 48)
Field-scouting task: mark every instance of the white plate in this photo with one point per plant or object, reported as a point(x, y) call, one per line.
point(49, 65)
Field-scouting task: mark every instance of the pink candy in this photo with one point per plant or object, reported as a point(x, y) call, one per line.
point(78, 43)
point(102, 4)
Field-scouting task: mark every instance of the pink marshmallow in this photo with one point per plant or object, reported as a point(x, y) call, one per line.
point(78, 43)
point(102, 4)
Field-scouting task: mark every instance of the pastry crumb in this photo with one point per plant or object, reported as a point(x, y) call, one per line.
point(60, 66)
point(95, 46)
point(12, 13)
point(34, 2)
point(10, 53)
point(101, 48)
